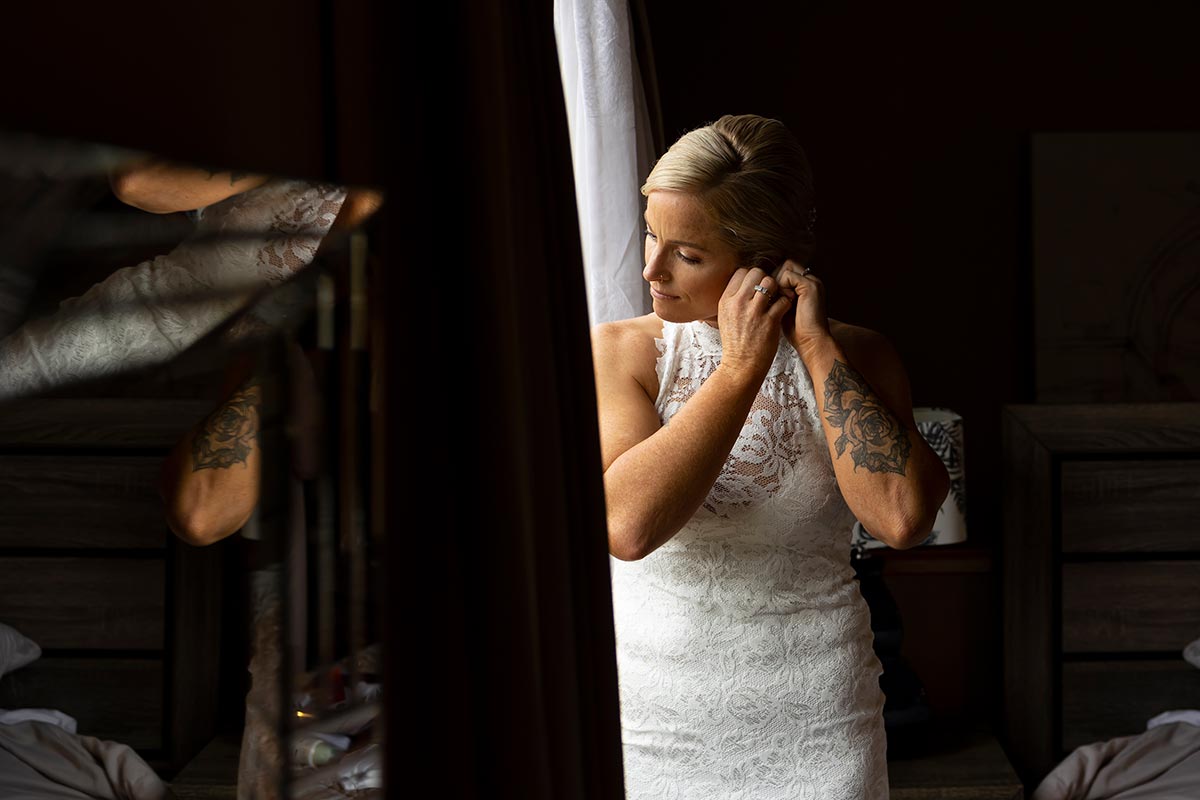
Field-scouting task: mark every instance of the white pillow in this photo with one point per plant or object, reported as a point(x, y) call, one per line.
point(15, 650)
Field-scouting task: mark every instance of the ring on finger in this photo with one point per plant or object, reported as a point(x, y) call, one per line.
point(763, 291)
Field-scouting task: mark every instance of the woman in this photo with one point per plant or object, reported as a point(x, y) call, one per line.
point(742, 432)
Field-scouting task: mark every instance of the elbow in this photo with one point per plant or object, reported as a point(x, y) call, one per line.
point(624, 543)
point(903, 529)
point(903, 535)
point(913, 528)
point(128, 186)
point(906, 538)
point(134, 187)
point(200, 528)
point(623, 553)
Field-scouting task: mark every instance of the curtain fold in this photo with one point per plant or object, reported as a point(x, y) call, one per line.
point(613, 147)
point(500, 598)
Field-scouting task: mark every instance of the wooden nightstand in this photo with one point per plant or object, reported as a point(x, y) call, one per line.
point(211, 775)
point(1101, 564)
point(127, 615)
point(958, 764)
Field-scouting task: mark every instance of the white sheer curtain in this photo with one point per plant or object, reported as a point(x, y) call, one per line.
point(612, 148)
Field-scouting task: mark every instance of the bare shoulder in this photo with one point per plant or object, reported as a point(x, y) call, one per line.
point(627, 347)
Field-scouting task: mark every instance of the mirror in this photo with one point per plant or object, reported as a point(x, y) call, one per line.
point(190, 562)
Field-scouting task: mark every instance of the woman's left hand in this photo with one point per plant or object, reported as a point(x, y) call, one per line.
point(808, 323)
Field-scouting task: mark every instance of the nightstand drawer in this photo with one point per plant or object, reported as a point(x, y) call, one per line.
point(111, 698)
point(1130, 506)
point(1129, 606)
point(85, 603)
point(1105, 699)
point(83, 501)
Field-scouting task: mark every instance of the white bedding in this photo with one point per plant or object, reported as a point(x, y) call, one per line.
point(1161, 764)
point(16, 651)
point(40, 761)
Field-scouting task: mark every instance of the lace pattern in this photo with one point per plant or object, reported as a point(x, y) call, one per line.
point(744, 648)
point(147, 313)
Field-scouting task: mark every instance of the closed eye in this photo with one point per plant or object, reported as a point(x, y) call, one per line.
point(681, 256)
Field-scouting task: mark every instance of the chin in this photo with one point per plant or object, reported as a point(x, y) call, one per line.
point(679, 313)
point(672, 315)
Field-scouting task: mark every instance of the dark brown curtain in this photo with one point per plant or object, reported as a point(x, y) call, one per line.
point(501, 658)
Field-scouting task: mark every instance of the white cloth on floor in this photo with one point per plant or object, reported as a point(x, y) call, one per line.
point(48, 715)
point(146, 314)
point(1188, 715)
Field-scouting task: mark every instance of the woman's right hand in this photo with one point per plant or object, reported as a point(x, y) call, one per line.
point(750, 321)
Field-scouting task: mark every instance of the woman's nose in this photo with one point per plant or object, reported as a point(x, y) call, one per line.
point(653, 270)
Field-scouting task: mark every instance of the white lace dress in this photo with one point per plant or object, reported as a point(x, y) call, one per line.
point(744, 648)
point(148, 313)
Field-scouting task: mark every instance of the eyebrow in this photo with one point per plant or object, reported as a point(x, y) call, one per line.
point(685, 244)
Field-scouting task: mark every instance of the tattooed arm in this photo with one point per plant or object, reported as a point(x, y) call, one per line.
point(162, 187)
point(891, 478)
point(888, 474)
point(209, 482)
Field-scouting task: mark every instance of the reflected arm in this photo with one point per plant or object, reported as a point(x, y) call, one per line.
point(210, 480)
point(163, 187)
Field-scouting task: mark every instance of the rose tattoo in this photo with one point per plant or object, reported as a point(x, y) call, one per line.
point(877, 440)
point(228, 435)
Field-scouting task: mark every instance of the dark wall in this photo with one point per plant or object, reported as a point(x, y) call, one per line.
point(917, 122)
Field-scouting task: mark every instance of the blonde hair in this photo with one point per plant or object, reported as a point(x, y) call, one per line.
point(752, 176)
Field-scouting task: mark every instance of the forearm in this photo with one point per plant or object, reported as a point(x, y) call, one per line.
point(164, 187)
point(887, 473)
point(210, 480)
point(656, 486)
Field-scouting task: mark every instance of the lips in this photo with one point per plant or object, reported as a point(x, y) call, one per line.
point(659, 295)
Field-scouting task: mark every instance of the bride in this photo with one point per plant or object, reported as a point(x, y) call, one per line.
point(742, 432)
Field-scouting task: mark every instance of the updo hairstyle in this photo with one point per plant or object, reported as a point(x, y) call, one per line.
point(752, 176)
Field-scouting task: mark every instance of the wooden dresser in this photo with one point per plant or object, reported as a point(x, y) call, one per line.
point(125, 613)
point(1101, 573)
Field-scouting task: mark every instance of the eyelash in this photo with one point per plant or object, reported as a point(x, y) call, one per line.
point(682, 257)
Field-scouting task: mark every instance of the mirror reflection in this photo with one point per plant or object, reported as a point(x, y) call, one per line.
point(189, 593)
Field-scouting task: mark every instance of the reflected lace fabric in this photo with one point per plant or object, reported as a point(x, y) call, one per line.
point(744, 648)
point(146, 314)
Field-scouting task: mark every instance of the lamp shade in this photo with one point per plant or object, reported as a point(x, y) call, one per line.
point(943, 430)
